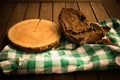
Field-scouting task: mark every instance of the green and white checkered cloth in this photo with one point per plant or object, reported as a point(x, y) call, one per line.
point(69, 57)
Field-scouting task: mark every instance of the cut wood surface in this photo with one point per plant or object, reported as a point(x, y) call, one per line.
point(34, 35)
point(12, 13)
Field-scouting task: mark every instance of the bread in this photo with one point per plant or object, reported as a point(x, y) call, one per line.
point(34, 35)
point(78, 29)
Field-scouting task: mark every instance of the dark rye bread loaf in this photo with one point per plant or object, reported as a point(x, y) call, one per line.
point(78, 29)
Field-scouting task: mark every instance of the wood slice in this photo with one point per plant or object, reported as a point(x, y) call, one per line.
point(34, 35)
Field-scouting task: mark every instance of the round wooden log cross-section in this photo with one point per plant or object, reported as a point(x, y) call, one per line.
point(34, 35)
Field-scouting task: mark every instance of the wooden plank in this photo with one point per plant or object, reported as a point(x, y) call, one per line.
point(118, 1)
point(101, 14)
point(32, 10)
point(1, 5)
point(16, 77)
point(99, 10)
point(86, 75)
point(18, 14)
point(46, 11)
point(113, 8)
point(85, 7)
point(67, 76)
point(45, 0)
point(5, 13)
point(72, 5)
point(87, 10)
point(1, 75)
point(109, 75)
point(57, 8)
point(56, 11)
point(40, 77)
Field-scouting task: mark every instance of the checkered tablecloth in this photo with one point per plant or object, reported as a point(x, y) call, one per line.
point(68, 57)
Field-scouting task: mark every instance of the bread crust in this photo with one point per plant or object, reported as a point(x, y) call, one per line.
point(78, 29)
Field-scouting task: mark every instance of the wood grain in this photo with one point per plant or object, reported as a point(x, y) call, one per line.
point(45, 0)
point(112, 7)
point(67, 76)
point(46, 11)
point(99, 11)
point(16, 77)
point(86, 75)
point(40, 77)
point(32, 10)
point(73, 5)
point(56, 11)
point(11, 13)
point(18, 14)
point(109, 75)
point(85, 7)
point(5, 14)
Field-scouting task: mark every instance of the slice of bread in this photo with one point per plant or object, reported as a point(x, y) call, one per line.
point(34, 35)
point(78, 29)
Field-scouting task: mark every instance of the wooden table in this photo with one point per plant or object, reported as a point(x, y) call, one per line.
point(11, 13)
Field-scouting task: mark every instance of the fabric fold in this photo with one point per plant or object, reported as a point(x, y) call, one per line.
point(68, 57)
